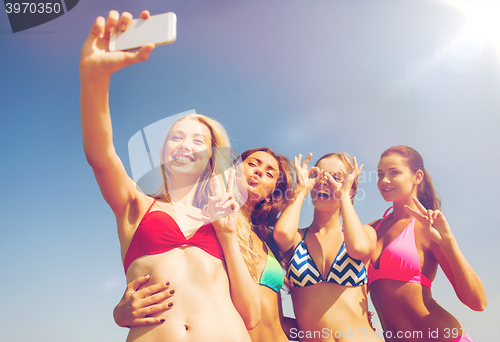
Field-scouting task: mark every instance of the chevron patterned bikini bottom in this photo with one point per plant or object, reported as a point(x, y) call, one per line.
point(302, 270)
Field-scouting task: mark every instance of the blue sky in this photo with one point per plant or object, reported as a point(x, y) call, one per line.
point(297, 76)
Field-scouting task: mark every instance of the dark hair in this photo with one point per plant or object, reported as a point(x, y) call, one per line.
point(425, 190)
point(266, 213)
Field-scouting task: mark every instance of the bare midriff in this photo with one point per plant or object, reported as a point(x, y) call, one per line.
point(202, 309)
point(269, 328)
point(332, 312)
point(407, 311)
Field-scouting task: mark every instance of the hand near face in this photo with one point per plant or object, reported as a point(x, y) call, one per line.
point(434, 222)
point(222, 208)
point(306, 178)
point(95, 54)
point(343, 183)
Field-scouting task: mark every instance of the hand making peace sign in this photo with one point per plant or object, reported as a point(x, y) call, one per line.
point(434, 222)
point(344, 184)
point(222, 208)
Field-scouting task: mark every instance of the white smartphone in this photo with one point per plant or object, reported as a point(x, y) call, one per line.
point(157, 29)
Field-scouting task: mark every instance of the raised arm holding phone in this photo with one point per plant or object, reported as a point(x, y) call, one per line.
point(168, 236)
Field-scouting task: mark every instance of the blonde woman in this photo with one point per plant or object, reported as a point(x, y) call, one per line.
point(169, 236)
point(327, 260)
point(268, 179)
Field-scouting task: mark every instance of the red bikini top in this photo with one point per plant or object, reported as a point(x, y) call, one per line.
point(399, 260)
point(158, 233)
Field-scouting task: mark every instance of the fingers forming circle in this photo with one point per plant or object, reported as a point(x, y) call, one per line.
point(306, 161)
point(297, 160)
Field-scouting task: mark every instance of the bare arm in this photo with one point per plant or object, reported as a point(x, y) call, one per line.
point(245, 293)
point(465, 281)
point(97, 64)
point(285, 231)
point(467, 284)
point(359, 240)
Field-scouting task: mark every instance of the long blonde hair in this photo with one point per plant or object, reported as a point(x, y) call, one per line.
point(221, 161)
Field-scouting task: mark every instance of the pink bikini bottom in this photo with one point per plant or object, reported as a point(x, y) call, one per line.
point(463, 338)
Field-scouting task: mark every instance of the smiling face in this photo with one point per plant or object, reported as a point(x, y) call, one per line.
point(323, 194)
point(396, 182)
point(261, 174)
point(187, 148)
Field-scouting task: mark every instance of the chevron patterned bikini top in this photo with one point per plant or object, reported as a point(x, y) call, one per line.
point(302, 270)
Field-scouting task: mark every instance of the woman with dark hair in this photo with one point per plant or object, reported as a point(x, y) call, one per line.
point(327, 260)
point(411, 242)
point(268, 179)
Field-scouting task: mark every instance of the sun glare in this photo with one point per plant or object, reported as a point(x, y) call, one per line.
point(483, 20)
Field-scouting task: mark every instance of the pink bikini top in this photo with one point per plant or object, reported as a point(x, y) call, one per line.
point(399, 260)
point(158, 233)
